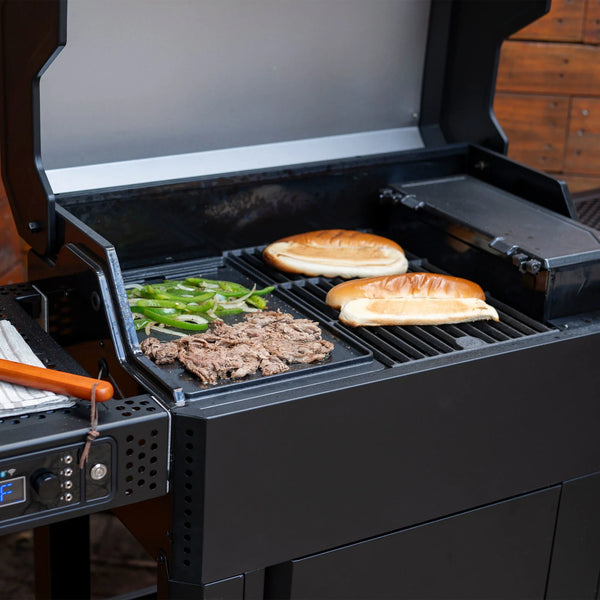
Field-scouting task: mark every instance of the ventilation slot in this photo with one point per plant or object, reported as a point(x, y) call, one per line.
point(186, 499)
point(130, 408)
point(38, 416)
point(141, 463)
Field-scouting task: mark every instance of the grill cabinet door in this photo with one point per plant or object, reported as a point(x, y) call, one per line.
point(499, 551)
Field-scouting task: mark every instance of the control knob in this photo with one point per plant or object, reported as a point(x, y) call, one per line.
point(46, 484)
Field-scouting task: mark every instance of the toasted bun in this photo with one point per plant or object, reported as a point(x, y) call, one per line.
point(410, 299)
point(336, 253)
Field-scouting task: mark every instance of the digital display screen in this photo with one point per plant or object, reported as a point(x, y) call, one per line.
point(12, 491)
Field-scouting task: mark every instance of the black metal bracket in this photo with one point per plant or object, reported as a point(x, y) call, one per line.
point(32, 34)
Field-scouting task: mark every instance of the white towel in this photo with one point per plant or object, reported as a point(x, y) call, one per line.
point(18, 399)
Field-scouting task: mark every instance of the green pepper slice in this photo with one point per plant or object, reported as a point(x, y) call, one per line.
point(162, 317)
point(151, 302)
point(257, 301)
point(141, 323)
point(221, 312)
point(199, 308)
point(199, 298)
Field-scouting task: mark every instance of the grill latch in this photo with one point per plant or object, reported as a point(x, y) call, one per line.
point(395, 196)
point(524, 262)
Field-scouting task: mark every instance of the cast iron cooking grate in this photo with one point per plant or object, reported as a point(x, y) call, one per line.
point(394, 345)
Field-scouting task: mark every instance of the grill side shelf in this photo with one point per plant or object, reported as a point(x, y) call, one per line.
point(133, 445)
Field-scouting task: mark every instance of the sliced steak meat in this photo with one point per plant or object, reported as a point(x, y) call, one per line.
point(161, 353)
point(265, 341)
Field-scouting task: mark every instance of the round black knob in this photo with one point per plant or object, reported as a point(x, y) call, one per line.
point(46, 484)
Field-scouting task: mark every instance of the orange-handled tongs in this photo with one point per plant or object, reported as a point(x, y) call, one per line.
point(55, 381)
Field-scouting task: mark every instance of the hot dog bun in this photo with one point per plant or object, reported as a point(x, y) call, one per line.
point(336, 253)
point(410, 299)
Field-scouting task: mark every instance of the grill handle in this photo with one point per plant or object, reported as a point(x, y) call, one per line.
point(58, 382)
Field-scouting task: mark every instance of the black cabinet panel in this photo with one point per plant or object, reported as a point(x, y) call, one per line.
point(500, 551)
point(575, 566)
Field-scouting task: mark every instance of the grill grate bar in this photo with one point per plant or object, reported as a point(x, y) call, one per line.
point(588, 210)
point(253, 259)
point(383, 351)
point(468, 329)
point(397, 342)
point(518, 321)
point(430, 344)
point(315, 296)
point(495, 333)
point(497, 328)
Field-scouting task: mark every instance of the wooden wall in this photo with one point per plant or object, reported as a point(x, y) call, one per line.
point(12, 250)
point(547, 101)
point(548, 93)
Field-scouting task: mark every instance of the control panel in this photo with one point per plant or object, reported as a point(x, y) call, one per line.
point(47, 481)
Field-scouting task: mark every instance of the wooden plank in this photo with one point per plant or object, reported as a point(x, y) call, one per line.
point(10, 242)
point(536, 127)
point(564, 23)
point(579, 183)
point(544, 68)
point(591, 29)
point(583, 141)
point(14, 275)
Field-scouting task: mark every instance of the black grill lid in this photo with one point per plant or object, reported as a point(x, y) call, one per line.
point(457, 84)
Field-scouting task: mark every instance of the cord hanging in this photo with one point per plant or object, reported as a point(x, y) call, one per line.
point(93, 433)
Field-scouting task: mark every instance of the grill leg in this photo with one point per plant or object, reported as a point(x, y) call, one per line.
point(62, 560)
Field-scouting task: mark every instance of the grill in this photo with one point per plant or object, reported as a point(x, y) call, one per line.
point(415, 462)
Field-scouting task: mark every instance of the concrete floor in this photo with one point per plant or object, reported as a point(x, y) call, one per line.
point(118, 564)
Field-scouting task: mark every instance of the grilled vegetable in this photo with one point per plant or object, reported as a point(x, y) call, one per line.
point(190, 304)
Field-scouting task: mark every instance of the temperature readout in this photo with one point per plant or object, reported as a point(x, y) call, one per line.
point(12, 491)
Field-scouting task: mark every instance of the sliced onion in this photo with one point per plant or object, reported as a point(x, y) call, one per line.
point(191, 318)
point(162, 329)
point(247, 308)
point(246, 296)
point(187, 288)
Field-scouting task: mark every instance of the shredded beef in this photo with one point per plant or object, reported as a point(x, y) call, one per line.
point(265, 341)
point(161, 353)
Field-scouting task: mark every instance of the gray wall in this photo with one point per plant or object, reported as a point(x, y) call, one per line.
point(145, 78)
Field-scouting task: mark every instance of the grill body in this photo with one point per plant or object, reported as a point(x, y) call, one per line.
point(417, 462)
point(461, 437)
